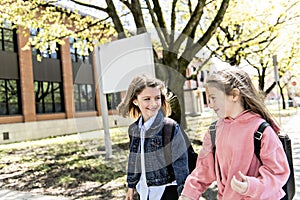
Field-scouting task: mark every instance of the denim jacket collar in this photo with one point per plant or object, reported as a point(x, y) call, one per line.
point(155, 127)
point(148, 123)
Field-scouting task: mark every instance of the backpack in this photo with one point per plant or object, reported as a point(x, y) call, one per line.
point(289, 187)
point(168, 133)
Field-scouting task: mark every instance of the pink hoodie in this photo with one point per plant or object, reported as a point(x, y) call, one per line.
point(235, 152)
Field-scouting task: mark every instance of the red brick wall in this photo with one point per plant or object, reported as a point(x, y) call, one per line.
point(67, 79)
point(97, 92)
point(26, 78)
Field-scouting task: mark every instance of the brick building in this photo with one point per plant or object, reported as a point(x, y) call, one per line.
point(56, 96)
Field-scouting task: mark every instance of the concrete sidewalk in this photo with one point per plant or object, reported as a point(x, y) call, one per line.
point(291, 126)
point(16, 195)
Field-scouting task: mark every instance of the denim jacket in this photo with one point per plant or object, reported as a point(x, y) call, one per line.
point(158, 171)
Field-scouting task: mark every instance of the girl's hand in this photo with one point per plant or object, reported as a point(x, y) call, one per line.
point(183, 198)
point(239, 186)
point(129, 194)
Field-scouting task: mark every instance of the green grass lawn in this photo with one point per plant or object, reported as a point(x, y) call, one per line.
point(62, 166)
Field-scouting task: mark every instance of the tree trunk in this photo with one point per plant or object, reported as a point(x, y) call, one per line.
point(174, 81)
point(282, 97)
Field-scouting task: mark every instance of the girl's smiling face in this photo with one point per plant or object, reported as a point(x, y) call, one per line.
point(222, 104)
point(149, 102)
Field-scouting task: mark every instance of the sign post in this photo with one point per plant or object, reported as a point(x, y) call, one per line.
point(104, 109)
point(276, 75)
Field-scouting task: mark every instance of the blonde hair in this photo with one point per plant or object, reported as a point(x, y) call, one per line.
point(228, 79)
point(127, 108)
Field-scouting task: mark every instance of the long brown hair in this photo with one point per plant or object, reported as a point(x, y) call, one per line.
point(127, 108)
point(233, 77)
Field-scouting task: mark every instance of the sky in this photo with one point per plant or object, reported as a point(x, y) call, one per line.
point(82, 9)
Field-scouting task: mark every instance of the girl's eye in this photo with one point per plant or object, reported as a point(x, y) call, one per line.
point(158, 98)
point(213, 99)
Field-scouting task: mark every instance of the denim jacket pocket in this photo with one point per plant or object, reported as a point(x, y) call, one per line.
point(155, 144)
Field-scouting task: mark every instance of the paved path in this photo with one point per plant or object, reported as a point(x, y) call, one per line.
point(289, 125)
point(15, 195)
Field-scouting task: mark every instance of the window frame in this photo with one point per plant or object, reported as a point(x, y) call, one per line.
point(7, 104)
point(8, 27)
point(87, 103)
point(42, 103)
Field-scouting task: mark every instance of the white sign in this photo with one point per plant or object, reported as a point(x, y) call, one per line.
point(122, 60)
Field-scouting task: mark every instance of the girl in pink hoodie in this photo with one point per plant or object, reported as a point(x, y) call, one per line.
point(233, 163)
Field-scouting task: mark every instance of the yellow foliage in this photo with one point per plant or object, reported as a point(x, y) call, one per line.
point(251, 26)
point(39, 58)
point(55, 23)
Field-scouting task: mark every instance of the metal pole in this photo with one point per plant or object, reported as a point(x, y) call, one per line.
point(275, 63)
point(104, 109)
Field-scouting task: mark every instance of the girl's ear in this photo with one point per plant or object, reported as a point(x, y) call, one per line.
point(135, 102)
point(235, 94)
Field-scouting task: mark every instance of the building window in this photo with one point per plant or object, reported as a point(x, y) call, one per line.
point(79, 51)
point(48, 50)
point(84, 95)
point(113, 100)
point(8, 37)
point(10, 103)
point(48, 97)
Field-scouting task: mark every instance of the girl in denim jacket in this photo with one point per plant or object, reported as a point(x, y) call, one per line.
point(148, 170)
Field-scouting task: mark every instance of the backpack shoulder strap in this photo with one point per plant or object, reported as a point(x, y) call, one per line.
point(257, 138)
point(167, 136)
point(168, 131)
point(212, 131)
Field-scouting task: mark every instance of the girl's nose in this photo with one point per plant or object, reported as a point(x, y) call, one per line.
point(153, 102)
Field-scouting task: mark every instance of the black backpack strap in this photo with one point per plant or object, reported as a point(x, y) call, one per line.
point(168, 134)
point(168, 131)
point(212, 131)
point(257, 139)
